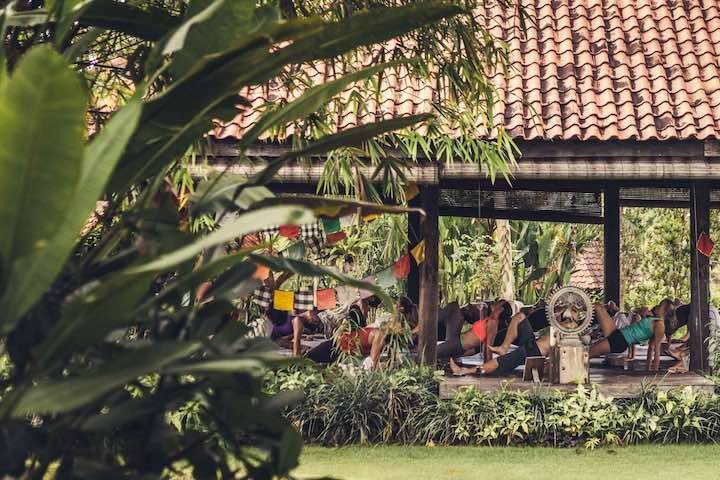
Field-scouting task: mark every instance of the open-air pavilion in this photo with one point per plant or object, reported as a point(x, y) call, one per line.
point(611, 106)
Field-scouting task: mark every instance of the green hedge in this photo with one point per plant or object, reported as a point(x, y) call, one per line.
point(403, 407)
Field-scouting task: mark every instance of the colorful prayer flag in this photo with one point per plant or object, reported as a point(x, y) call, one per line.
point(370, 217)
point(331, 225)
point(330, 211)
point(418, 252)
point(411, 191)
point(336, 237)
point(347, 221)
point(386, 278)
point(304, 300)
point(261, 272)
point(705, 245)
point(347, 295)
point(325, 299)
point(289, 231)
point(401, 269)
point(283, 300)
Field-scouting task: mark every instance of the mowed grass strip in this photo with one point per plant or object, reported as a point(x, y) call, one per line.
point(656, 462)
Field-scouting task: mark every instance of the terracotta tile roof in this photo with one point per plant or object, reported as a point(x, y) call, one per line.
point(588, 268)
point(583, 69)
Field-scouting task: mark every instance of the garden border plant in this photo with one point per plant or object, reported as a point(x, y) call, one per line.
point(402, 407)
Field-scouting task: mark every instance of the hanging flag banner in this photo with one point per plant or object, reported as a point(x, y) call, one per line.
point(411, 191)
point(331, 225)
point(401, 269)
point(304, 300)
point(261, 272)
point(289, 231)
point(370, 217)
point(347, 221)
point(418, 252)
point(330, 211)
point(263, 296)
point(705, 245)
point(347, 295)
point(325, 299)
point(386, 278)
point(296, 251)
point(283, 300)
point(250, 240)
point(336, 237)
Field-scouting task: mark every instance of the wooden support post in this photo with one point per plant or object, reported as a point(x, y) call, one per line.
point(611, 236)
point(414, 236)
point(429, 292)
point(699, 322)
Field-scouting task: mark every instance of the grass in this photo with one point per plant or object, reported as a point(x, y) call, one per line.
point(654, 462)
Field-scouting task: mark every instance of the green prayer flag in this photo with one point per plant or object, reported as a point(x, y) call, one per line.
point(331, 225)
point(386, 278)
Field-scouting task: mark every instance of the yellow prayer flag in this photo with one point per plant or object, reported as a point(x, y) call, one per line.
point(418, 252)
point(329, 211)
point(371, 216)
point(411, 191)
point(283, 300)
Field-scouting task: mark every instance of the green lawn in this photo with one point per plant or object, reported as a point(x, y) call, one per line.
point(685, 462)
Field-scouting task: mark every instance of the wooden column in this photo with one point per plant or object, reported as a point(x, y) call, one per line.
point(699, 322)
point(414, 236)
point(429, 298)
point(611, 236)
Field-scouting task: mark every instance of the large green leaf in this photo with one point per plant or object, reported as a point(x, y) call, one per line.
point(148, 22)
point(42, 109)
point(226, 191)
point(232, 228)
point(99, 160)
point(92, 314)
point(65, 395)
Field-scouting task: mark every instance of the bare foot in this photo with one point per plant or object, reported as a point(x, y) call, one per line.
point(499, 350)
point(459, 371)
point(678, 368)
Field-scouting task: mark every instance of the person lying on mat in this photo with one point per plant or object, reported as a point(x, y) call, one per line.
point(519, 333)
point(482, 332)
point(368, 340)
point(650, 328)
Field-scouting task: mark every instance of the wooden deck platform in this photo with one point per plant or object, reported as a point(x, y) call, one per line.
point(614, 382)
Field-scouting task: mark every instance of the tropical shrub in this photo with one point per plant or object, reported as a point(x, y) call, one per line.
point(106, 350)
point(402, 406)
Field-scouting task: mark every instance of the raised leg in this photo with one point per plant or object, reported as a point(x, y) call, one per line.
point(607, 325)
point(377, 342)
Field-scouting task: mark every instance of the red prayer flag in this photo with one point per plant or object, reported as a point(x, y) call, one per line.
point(289, 231)
point(325, 299)
point(336, 237)
point(401, 269)
point(705, 245)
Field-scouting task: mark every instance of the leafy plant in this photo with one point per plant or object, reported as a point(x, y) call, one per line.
point(402, 406)
point(108, 349)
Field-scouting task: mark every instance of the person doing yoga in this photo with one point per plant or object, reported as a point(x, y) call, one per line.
point(520, 333)
point(482, 331)
point(650, 328)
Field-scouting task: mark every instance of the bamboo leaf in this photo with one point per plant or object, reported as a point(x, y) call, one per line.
point(310, 101)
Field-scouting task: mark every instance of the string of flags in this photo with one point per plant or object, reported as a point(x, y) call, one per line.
point(328, 231)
